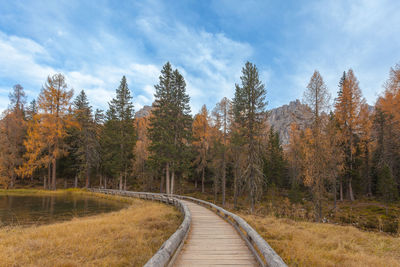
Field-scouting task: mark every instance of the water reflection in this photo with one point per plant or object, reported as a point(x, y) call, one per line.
point(28, 210)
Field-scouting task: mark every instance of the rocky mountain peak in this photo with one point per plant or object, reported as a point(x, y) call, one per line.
point(143, 112)
point(282, 117)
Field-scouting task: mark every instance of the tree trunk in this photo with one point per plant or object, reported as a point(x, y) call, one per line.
point(215, 188)
point(202, 180)
point(125, 180)
point(76, 181)
point(167, 185)
point(235, 190)
point(12, 181)
point(351, 195)
point(341, 189)
point(54, 163)
point(100, 181)
point(120, 181)
point(49, 176)
point(195, 182)
point(162, 184)
point(44, 182)
point(223, 180)
point(172, 182)
point(334, 195)
point(105, 182)
point(87, 184)
point(65, 184)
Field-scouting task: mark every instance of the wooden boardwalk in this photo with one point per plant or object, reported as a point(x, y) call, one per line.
point(213, 242)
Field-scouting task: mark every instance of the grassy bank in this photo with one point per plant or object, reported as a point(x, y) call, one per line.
point(287, 228)
point(317, 244)
point(127, 237)
point(33, 191)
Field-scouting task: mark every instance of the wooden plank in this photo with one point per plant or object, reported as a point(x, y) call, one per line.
point(213, 242)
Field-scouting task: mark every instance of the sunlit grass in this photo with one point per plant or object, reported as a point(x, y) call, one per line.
point(126, 237)
point(317, 244)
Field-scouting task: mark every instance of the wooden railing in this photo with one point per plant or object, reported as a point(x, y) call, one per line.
point(262, 251)
point(264, 254)
point(167, 252)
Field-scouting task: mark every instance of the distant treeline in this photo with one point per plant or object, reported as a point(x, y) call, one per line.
point(347, 152)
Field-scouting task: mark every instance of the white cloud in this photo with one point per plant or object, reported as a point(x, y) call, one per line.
point(211, 63)
point(338, 35)
point(21, 60)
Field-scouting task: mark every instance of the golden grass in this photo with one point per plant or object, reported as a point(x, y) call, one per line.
point(41, 191)
point(317, 244)
point(128, 237)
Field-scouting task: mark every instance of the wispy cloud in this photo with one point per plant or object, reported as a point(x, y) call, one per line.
point(208, 41)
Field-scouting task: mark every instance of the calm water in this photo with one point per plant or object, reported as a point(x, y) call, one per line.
point(28, 210)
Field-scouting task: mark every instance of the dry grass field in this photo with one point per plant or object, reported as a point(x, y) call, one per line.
point(317, 244)
point(126, 237)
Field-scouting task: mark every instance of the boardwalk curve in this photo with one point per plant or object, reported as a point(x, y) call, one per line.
point(213, 242)
point(214, 236)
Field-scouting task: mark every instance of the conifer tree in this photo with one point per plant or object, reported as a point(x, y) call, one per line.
point(347, 111)
point(201, 142)
point(274, 161)
point(222, 120)
point(12, 135)
point(46, 133)
point(170, 125)
point(119, 134)
point(316, 145)
point(249, 111)
point(85, 136)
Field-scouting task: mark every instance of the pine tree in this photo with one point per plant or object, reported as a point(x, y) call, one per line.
point(31, 110)
point(84, 137)
point(120, 136)
point(170, 125)
point(249, 111)
point(274, 161)
point(387, 186)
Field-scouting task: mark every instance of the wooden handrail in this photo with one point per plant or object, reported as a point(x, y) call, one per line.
point(166, 254)
point(263, 252)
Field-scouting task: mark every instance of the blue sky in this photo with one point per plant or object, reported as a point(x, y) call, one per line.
point(94, 43)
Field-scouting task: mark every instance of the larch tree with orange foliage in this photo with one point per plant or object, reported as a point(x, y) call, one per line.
point(387, 131)
point(201, 133)
point(141, 151)
point(316, 152)
point(44, 144)
point(347, 112)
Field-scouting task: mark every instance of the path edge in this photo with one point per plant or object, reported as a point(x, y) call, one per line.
point(166, 254)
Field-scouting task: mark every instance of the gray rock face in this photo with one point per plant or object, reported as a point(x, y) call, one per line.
point(282, 117)
point(143, 112)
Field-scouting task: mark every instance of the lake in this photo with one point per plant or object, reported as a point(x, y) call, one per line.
point(25, 210)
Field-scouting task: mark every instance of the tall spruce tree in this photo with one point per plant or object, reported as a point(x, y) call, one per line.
point(84, 137)
point(119, 134)
point(170, 125)
point(249, 111)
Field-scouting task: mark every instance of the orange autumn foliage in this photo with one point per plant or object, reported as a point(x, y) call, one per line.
point(44, 143)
